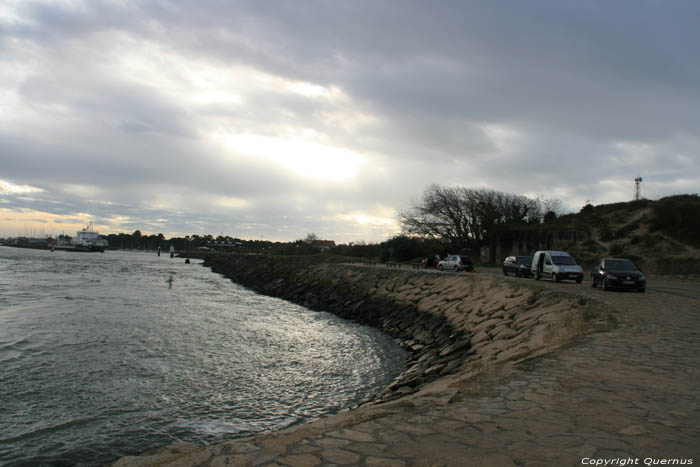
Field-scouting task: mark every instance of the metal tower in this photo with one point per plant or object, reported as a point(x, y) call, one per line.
point(637, 192)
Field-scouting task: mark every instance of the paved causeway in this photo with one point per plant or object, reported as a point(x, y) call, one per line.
point(629, 393)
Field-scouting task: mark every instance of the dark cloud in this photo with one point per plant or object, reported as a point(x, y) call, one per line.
point(132, 111)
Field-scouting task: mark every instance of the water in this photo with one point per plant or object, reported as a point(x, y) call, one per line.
point(100, 359)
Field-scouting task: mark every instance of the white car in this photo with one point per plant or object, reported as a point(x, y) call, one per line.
point(557, 265)
point(456, 263)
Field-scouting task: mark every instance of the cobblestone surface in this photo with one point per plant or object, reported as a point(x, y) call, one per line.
point(631, 392)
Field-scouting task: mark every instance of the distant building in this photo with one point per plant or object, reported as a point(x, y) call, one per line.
point(323, 245)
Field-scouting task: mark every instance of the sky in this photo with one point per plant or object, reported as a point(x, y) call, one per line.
point(275, 119)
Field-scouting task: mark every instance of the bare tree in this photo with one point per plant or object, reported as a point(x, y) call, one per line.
point(467, 218)
point(311, 238)
point(551, 208)
point(443, 213)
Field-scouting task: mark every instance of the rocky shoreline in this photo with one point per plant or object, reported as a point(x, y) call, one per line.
point(453, 326)
point(446, 323)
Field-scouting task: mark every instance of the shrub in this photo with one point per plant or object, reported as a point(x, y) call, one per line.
point(605, 232)
point(626, 229)
point(677, 216)
point(587, 209)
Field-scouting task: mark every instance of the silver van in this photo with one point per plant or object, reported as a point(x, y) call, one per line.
point(556, 265)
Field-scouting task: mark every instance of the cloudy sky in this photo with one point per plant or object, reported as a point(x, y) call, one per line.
point(275, 119)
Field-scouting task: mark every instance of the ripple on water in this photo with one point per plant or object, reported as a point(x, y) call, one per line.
point(101, 359)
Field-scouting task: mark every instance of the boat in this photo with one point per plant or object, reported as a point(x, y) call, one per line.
point(86, 239)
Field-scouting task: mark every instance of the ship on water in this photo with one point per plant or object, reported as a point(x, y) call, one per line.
point(86, 239)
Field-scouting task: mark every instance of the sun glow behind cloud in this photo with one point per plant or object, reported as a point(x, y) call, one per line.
point(314, 91)
point(376, 222)
point(369, 220)
point(198, 83)
point(231, 203)
point(300, 155)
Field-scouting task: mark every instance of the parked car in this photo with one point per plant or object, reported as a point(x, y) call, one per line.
point(430, 261)
point(618, 273)
point(557, 265)
point(518, 265)
point(456, 263)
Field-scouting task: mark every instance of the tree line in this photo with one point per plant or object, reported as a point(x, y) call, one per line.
point(461, 218)
point(139, 241)
point(442, 220)
point(455, 220)
point(195, 242)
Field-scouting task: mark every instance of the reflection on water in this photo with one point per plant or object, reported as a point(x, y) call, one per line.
point(101, 358)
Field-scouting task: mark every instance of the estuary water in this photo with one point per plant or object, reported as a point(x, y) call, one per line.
point(102, 356)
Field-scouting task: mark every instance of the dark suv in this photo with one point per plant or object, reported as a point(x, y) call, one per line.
point(518, 265)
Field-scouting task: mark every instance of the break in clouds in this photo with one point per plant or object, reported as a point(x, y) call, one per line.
point(276, 119)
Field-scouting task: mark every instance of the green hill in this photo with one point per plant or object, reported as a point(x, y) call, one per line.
point(661, 236)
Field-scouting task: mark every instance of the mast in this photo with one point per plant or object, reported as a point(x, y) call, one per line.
point(637, 191)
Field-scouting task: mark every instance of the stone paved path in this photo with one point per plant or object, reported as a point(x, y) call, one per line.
point(629, 393)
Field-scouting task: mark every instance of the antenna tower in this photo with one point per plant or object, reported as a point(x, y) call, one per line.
point(637, 192)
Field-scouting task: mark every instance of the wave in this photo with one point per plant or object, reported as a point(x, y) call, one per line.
point(16, 345)
point(77, 422)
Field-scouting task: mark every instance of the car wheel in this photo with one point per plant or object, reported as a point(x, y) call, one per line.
point(605, 284)
point(579, 280)
point(505, 273)
point(439, 267)
point(555, 277)
point(456, 268)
